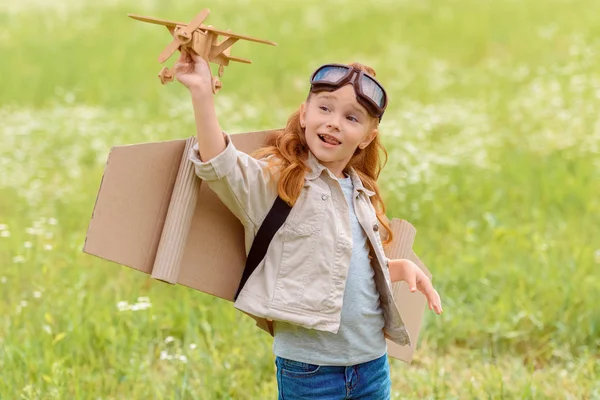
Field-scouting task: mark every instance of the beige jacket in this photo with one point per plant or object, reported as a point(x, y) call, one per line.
point(303, 275)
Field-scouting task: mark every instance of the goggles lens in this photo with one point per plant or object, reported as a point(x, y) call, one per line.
point(372, 90)
point(335, 75)
point(331, 74)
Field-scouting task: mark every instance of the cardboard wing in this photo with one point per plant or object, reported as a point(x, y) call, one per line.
point(154, 215)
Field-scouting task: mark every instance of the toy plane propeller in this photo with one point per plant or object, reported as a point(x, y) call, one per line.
point(202, 40)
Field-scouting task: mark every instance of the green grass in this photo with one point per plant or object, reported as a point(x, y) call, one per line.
point(493, 138)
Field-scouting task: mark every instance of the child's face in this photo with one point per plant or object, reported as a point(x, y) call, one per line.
point(335, 125)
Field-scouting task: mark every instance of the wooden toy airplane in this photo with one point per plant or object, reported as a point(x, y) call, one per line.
point(202, 40)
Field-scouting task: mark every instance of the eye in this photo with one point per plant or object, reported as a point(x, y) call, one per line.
point(352, 118)
point(324, 108)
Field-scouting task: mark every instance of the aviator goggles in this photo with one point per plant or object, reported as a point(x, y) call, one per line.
point(369, 93)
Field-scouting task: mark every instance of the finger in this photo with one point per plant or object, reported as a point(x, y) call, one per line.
point(411, 280)
point(439, 303)
point(436, 301)
point(182, 68)
point(195, 57)
point(431, 294)
point(183, 56)
point(430, 301)
point(423, 283)
point(178, 67)
point(189, 54)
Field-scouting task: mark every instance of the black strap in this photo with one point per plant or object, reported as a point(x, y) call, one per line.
point(273, 221)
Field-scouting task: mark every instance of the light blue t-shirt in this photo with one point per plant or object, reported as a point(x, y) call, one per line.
point(360, 337)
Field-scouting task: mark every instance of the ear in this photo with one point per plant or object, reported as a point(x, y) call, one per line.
point(368, 139)
point(303, 115)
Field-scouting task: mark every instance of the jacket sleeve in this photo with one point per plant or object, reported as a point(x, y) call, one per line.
point(241, 182)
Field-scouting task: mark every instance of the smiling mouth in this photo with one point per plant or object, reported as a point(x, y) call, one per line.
point(329, 139)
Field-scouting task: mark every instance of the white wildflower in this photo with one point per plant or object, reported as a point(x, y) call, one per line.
point(193, 346)
point(37, 294)
point(3, 227)
point(123, 306)
point(47, 247)
point(183, 359)
point(169, 339)
point(5, 234)
point(164, 355)
point(597, 256)
point(140, 306)
point(52, 221)
point(3, 279)
point(47, 329)
point(28, 245)
point(18, 259)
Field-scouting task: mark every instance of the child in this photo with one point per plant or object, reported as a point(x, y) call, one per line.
point(325, 281)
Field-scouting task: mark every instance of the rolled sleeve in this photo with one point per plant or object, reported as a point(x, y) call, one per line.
point(217, 167)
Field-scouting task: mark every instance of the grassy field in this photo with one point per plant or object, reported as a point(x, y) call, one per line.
point(493, 137)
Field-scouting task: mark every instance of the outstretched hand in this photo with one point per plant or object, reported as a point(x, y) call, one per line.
point(406, 270)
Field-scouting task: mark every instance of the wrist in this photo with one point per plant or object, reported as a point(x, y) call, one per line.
point(397, 269)
point(200, 91)
point(394, 268)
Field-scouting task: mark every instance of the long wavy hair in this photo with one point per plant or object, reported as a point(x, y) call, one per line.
point(290, 154)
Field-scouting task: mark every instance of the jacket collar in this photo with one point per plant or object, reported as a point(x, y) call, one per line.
point(316, 169)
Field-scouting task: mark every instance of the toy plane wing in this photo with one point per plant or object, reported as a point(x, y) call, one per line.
point(173, 24)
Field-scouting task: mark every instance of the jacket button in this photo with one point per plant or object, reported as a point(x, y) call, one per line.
point(324, 197)
point(375, 227)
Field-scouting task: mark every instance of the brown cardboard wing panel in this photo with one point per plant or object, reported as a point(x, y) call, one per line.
point(131, 209)
point(132, 202)
point(410, 305)
point(214, 256)
point(251, 141)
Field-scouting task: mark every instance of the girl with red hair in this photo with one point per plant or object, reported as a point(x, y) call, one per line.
point(324, 284)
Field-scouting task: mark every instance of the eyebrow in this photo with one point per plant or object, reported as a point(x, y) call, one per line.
point(332, 97)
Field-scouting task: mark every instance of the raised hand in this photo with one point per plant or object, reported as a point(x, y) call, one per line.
point(193, 71)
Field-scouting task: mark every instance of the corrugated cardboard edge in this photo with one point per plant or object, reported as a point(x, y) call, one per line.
point(178, 220)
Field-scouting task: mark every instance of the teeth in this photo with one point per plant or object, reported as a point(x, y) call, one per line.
point(322, 137)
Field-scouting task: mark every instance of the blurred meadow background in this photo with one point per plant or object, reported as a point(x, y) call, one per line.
point(493, 138)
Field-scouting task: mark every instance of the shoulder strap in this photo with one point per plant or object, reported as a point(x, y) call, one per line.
point(273, 221)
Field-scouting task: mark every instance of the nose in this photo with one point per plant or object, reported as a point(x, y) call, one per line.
point(334, 122)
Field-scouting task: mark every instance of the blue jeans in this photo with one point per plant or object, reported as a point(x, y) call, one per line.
point(298, 380)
